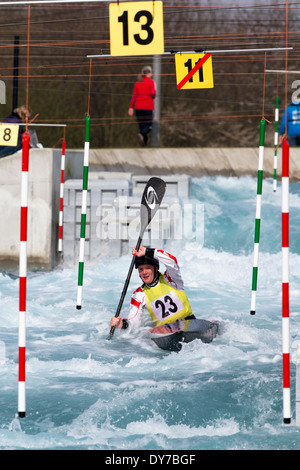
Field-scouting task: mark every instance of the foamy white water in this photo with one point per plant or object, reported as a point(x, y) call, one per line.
point(84, 392)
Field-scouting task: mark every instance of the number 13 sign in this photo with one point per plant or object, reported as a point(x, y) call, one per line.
point(136, 28)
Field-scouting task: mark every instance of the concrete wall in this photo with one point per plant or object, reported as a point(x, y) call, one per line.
point(196, 162)
point(43, 207)
point(44, 181)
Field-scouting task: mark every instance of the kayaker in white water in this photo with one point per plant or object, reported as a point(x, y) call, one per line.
point(161, 295)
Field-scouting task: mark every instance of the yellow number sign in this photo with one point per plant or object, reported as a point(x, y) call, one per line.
point(136, 28)
point(194, 71)
point(9, 134)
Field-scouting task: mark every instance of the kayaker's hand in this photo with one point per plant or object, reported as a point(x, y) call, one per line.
point(117, 322)
point(141, 252)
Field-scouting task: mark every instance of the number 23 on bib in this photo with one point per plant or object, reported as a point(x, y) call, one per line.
point(165, 304)
point(136, 28)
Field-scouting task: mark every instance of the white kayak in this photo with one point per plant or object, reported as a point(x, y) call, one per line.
point(171, 336)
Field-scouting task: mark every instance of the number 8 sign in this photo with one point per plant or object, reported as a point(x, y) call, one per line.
point(136, 28)
point(9, 135)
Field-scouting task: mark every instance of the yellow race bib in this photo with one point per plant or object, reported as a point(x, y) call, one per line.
point(166, 304)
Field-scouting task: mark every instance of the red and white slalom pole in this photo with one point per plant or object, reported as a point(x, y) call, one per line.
point(285, 285)
point(61, 197)
point(23, 274)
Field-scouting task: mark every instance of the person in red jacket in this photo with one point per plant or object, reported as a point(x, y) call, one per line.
point(144, 92)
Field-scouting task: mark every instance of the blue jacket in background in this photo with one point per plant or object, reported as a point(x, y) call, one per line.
point(293, 119)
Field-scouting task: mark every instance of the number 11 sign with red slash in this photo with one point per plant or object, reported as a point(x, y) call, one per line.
point(194, 71)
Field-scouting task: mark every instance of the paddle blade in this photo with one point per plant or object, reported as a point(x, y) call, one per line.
point(152, 197)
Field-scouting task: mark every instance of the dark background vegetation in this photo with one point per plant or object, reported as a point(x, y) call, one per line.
point(61, 37)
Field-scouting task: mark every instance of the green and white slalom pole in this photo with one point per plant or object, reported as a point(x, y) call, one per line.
point(276, 142)
point(258, 214)
point(83, 210)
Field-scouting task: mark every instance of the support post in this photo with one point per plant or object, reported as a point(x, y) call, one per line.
point(16, 72)
point(155, 134)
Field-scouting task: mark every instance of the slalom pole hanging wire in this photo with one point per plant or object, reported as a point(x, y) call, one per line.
point(285, 259)
point(84, 198)
point(258, 203)
point(44, 2)
point(204, 51)
point(285, 247)
point(283, 71)
point(23, 251)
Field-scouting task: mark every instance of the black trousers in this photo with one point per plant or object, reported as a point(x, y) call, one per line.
point(144, 118)
point(4, 151)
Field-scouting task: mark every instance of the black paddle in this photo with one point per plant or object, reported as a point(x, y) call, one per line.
point(153, 195)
